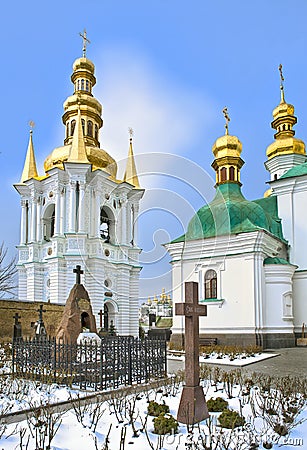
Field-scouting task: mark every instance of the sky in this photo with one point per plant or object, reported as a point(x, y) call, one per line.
point(166, 68)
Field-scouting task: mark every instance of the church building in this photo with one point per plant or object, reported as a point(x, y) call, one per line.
point(249, 257)
point(79, 213)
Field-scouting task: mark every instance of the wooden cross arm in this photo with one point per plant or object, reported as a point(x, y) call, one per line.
point(190, 310)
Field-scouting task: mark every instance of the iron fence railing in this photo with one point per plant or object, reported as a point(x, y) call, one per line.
point(116, 361)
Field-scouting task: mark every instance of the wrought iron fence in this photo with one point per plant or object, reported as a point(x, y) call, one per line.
point(115, 362)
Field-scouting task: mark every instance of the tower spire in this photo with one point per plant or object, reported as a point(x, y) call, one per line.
point(29, 169)
point(131, 173)
point(78, 149)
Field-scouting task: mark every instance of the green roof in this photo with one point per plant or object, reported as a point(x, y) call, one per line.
point(276, 261)
point(296, 171)
point(230, 213)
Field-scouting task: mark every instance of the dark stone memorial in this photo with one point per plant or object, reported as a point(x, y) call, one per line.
point(192, 408)
point(77, 314)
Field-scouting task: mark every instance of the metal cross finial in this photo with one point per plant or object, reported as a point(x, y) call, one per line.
point(78, 273)
point(227, 118)
point(281, 83)
point(85, 42)
point(281, 74)
point(32, 125)
point(131, 132)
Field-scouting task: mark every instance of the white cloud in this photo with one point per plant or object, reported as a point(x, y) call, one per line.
point(166, 117)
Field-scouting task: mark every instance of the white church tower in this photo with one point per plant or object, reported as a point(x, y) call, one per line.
point(79, 213)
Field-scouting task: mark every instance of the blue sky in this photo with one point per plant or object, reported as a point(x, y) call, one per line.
point(166, 68)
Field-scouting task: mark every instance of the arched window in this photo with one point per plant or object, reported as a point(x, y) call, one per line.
point(82, 85)
point(104, 225)
point(72, 127)
point(87, 86)
point(210, 284)
point(49, 222)
point(231, 173)
point(83, 126)
point(96, 132)
point(90, 128)
point(67, 129)
point(223, 174)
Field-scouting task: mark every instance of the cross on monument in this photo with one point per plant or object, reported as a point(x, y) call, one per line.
point(192, 408)
point(16, 317)
point(78, 273)
point(101, 315)
point(40, 313)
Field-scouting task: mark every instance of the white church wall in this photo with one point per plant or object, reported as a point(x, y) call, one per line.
point(299, 299)
point(278, 305)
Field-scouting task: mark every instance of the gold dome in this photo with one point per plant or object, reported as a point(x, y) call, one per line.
point(227, 150)
point(284, 119)
point(82, 106)
point(227, 146)
point(98, 157)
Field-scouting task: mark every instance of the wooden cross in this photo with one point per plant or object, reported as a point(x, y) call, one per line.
point(40, 312)
point(78, 273)
point(85, 42)
point(16, 317)
point(101, 315)
point(192, 407)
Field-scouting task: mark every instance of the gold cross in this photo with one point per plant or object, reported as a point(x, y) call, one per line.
point(85, 42)
point(131, 132)
point(227, 118)
point(281, 74)
point(32, 125)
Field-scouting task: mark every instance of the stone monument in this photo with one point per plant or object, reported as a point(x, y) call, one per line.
point(192, 408)
point(77, 315)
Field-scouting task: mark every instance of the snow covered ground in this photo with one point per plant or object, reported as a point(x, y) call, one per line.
point(214, 358)
point(123, 423)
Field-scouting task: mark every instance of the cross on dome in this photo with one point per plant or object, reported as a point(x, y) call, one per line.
point(85, 42)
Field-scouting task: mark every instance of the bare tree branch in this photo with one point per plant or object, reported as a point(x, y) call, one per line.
point(7, 273)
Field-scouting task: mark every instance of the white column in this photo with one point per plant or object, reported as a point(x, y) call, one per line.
point(57, 213)
point(124, 223)
point(23, 224)
point(33, 220)
point(38, 221)
point(62, 210)
point(91, 212)
point(135, 223)
point(81, 207)
point(72, 212)
point(97, 231)
point(129, 222)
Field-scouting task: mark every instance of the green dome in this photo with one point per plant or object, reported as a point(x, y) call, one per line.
point(230, 213)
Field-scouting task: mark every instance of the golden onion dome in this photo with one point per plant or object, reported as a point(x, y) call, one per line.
point(227, 146)
point(283, 121)
point(227, 150)
point(82, 106)
point(98, 157)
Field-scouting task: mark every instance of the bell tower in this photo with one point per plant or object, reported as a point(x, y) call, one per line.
point(286, 151)
point(79, 213)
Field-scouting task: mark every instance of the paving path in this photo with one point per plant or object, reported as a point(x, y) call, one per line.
point(290, 361)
